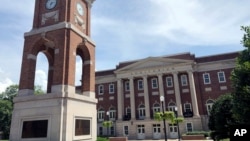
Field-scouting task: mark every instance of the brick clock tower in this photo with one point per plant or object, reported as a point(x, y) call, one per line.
point(61, 31)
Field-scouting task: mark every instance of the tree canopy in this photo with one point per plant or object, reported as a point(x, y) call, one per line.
point(241, 82)
point(221, 116)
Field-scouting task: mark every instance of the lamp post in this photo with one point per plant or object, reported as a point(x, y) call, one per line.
point(108, 121)
point(176, 116)
point(164, 122)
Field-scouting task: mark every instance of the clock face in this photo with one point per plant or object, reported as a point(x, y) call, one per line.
point(50, 4)
point(79, 9)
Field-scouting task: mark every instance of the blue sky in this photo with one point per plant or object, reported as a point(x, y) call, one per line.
point(133, 29)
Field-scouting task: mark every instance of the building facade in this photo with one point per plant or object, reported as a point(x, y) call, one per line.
point(129, 95)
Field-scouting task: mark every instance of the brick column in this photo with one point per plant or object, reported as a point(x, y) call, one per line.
point(177, 93)
point(132, 97)
point(120, 99)
point(146, 96)
point(193, 94)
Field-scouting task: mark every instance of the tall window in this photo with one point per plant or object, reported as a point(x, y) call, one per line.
point(189, 127)
point(140, 84)
point(112, 113)
point(169, 81)
point(209, 105)
point(125, 130)
point(100, 131)
point(111, 88)
point(171, 106)
point(206, 78)
point(184, 80)
point(141, 111)
point(112, 130)
point(100, 114)
point(128, 111)
point(221, 77)
point(100, 89)
point(154, 83)
point(187, 107)
point(127, 86)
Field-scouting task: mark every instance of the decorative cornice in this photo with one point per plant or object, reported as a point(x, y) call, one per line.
point(60, 25)
point(90, 2)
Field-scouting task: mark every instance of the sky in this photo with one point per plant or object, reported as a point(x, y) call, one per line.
point(126, 30)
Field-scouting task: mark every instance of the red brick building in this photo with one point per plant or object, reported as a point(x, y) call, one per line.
point(131, 92)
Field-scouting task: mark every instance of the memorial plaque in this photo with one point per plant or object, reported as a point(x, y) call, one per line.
point(35, 129)
point(82, 127)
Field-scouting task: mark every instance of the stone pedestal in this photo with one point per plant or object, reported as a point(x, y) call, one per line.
point(53, 117)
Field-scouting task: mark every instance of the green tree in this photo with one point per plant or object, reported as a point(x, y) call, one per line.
point(241, 82)
point(107, 124)
point(169, 116)
point(5, 117)
point(10, 92)
point(6, 107)
point(221, 116)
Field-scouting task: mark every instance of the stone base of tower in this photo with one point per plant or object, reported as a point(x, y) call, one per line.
point(53, 117)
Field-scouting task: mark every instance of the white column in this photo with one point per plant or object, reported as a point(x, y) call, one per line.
point(146, 96)
point(177, 93)
point(193, 94)
point(132, 97)
point(120, 99)
point(161, 90)
point(160, 85)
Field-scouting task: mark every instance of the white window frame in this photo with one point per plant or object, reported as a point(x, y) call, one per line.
point(141, 111)
point(156, 128)
point(100, 114)
point(125, 131)
point(112, 113)
point(141, 128)
point(169, 81)
point(111, 88)
point(171, 106)
point(187, 104)
point(187, 128)
point(184, 81)
point(101, 89)
point(206, 78)
point(221, 76)
point(128, 110)
point(127, 87)
point(140, 84)
point(156, 108)
point(154, 83)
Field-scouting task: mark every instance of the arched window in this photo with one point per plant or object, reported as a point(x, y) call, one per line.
point(171, 106)
point(78, 74)
point(100, 114)
point(112, 113)
point(41, 74)
point(156, 107)
point(209, 105)
point(141, 111)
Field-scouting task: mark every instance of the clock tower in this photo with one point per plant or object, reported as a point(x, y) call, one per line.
point(61, 31)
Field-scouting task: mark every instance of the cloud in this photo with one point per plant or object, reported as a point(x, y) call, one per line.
point(196, 22)
point(41, 79)
point(5, 81)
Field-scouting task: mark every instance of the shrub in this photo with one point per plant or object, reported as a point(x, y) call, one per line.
point(205, 133)
point(102, 139)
